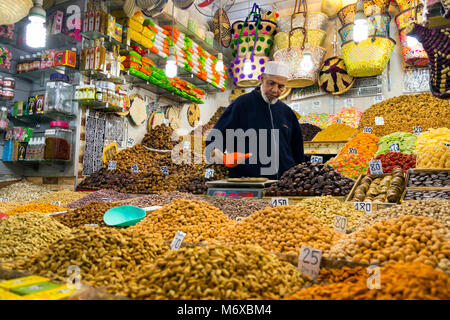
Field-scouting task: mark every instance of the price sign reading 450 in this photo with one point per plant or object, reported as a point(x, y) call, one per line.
point(375, 167)
point(364, 206)
point(177, 240)
point(280, 202)
point(309, 261)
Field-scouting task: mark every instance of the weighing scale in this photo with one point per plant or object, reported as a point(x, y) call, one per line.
point(224, 188)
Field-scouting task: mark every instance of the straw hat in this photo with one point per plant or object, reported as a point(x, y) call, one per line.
point(11, 11)
point(130, 8)
point(333, 76)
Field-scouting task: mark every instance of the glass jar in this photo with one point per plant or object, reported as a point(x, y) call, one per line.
point(104, 95)
point(4, 118)
point(98, 94)
point(9, 83)
point(91, 92)
point(58, 140)
point(59, 94)
point(8, 93)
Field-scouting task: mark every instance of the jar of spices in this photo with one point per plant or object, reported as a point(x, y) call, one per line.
point(8, 93)
point(58, 140)
point(91, 92)
point(98, 94)
point(110, 96)
point(9, 83)
point(104, 95)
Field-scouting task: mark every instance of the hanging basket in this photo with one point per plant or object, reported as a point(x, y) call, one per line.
point(12, 11)
point(253, 79)
point(413, 56)
point(407, 17)
point(222, 33)
point(378, 26)
point(315, 37)
point(333, 77)
point(347, 14)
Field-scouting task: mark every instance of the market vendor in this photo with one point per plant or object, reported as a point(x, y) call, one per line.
point(262, 127)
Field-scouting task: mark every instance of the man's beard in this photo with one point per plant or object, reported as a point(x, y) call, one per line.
point(267, 99)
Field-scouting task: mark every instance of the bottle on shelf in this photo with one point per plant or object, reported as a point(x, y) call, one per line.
point(38, 60)
point(33, 62)
point(19, 67)
point(102, 56)
point(26, 63)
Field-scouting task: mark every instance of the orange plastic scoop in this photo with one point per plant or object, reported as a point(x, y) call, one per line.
point(231, 160)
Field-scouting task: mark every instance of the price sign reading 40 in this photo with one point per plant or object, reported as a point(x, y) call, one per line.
point(364, 206)
point(375, 167)
point(177, 240)
point(280, 202)
point(309, 261)
point(316, 159)
point(340, 224)
point(394, 147)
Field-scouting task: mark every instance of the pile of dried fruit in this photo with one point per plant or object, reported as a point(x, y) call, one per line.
point(309, 131)
point(7, 206)
point(238, 207)
point(424, 194)
point(160, 199)
point(317, 119)
point(311, 179)
point(350, 165)
point(431, 148)
point(105, 257)
point(406, 238)
point(397, 281)
point(35, 207)
point(217, 272)
point(100, 195)
point(404, 112)
point(92, 213)
point(391, 160)
point(23, 191)
point(335, 132)
point(64, 197)
point(23, 234)
point(198, 219)
point(365, 145)
point(325, 209)
point(429, 179)
point(160, 138)
point(282, 229)
point(406, 143)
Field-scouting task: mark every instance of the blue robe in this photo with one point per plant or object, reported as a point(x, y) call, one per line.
point(251, 111)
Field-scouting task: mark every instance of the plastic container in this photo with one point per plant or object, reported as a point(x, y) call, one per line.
point(9, 83)
point(4, 118)
point(7, 93)
point(59, 94)
point(58, 141)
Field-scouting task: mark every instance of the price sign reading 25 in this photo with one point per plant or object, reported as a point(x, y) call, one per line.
point(309, 261)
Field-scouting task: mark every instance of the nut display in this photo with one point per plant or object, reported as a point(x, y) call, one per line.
point(431, 148)
point(429, 179)
point(24, 234)
point(406, 238)
point(198, 219)
point(335, 132)
point(64, 197)
point(309, 131)
point(218, 272)
point(381, 188)
point(398, 281)
point(159, 138)
point(35, 207)
point(311, 179)
point(404, 112)
point(105, 257)
point(431, 208)
point(6, 205)
point(238, 207)
point(159, 199)
point(100, 195)
point(419, 195)
point(92, 213)
point(24, 191)
point(347, 274)
point(325, 209)
point(282, 229)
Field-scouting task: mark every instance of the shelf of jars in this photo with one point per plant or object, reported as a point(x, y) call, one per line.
point(53, 41)
point(40, 74)
point(44, 117)
point(96, 105)
point(100, 76)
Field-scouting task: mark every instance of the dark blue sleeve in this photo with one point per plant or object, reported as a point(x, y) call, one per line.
point(297, 141)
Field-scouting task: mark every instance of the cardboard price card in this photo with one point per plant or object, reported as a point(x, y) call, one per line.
point(165, 170)
point(375, 167)
point(316, 159)
point(352, 151)
point(364, 206)
point(379, 121)
point(112, 165)
point(280, 202)
point(417, 130)
point(309, 261)
point(340, 224)
point(209, 173)
point(367, 129)
point(394, 147)
point(177, 240)
point(135, 168)
point(130, 142)
point(58, 203)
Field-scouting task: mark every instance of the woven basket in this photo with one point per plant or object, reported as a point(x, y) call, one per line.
point(315, 37)
point(333, 77)
point(407, 17)
point(378, 25)
point(253, 79)
point(12, 11)
point(222, 33)
point(347, 14)
point(416, 56)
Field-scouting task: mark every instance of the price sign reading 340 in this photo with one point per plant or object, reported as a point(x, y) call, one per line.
point(309, 261)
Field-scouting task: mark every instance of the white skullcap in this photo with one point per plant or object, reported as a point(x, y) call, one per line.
point(275, 68)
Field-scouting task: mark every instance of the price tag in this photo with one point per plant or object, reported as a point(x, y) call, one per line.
point(375, 167)
point(112, 165)
point(394, 147)
point(338, 120)
point(4, 199)
point(316, 105)
point(91, 225)
point(130, 142)
point(349, 102)
point(177, 240)
point(378, 99)
point(379, 121)
point(55, 213)
point(135, 168)
point(364, 206)
point(58, 203)
point(352, 151)
point(209, 173)
point(316, 159)
point(106, 199)
point(165, 171)
point(239, 218)
point(417, 130)
point(280, 202)
point(340, 224)
point(166, 122)
point(187, 145)
point(367, 129)
point(309, 261)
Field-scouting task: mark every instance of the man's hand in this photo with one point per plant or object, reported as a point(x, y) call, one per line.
point(231, 160)
point(217, 156)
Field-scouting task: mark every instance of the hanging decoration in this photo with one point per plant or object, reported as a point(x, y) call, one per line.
point(222, 28)
point(333, 76)
point(12, 11)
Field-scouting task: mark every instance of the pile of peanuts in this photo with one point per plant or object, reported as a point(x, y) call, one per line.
point(326, 207)
point(105, 257)
point(217, 272)
point(406, 238)
point(23, 234)
point(63, 196)
point(200, 221)
point(35, 207)
point(7, 206)
point(282, 229)
point(92, 213)
point(24, 191)
point(398, 281)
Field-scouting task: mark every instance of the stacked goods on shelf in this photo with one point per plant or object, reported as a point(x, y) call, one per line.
point(387, 188)
point(432, 148)
point(405, 112)
point(311, 179)
point(309, 131)
point(398, 279)
point(335, 132)
point(406, 143)
point(428, 183)
point(347, 115)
